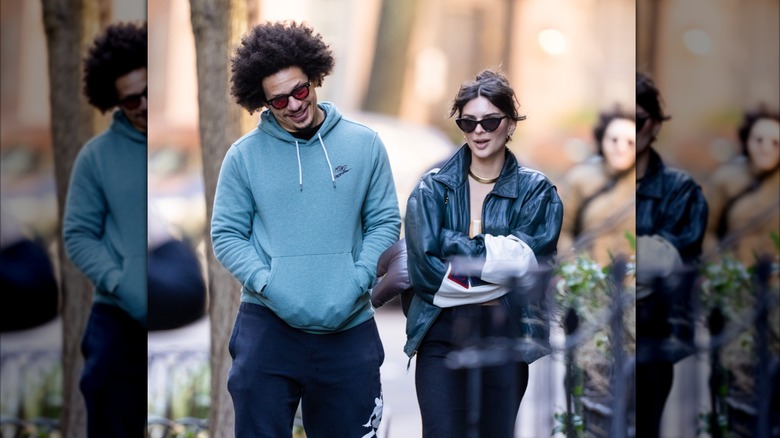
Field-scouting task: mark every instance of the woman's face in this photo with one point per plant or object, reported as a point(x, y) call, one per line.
point(619, 144)
point(763, 144)
point(486, 145)
point(645, 133)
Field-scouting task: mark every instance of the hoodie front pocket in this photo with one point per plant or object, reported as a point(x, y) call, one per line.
point(318, 292)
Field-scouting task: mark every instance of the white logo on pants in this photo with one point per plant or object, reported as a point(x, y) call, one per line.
point(375, 419)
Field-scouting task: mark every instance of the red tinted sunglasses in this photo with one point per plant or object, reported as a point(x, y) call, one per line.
point(280, 102)
point(132, 101)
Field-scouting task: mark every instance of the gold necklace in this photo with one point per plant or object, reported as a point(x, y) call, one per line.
point(481, 180)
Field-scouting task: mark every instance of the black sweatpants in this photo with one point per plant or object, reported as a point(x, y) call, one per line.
point(334, 376)
point(114, 380)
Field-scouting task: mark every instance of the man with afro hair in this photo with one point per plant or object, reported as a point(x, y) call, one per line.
point(305, 205)
point(104, 231)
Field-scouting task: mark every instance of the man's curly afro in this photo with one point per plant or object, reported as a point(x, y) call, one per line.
point(120, 49)
point(271, 47)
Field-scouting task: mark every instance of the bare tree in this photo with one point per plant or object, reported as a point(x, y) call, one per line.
point(390, 57)
point(217, 25)
point(70, 25)
point(648, 23)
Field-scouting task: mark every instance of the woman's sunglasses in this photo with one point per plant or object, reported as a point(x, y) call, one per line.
point(468, 125)
point(132, 101)
point(280, 102)
point(640, 121)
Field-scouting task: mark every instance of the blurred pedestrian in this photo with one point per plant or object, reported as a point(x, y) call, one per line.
point(743, 193)
point(503, 221)
point(599, 194)
point(104, 231)
point(305, 204)
point(671, 214)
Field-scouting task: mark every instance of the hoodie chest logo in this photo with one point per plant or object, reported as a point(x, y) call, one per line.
point(340, 170)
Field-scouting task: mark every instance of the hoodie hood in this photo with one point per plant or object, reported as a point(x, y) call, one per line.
point(121, 125)
point(270, 125)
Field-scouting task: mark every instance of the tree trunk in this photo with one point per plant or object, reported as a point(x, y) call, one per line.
point(390, 57)
point(217, 26)
point(647, 26)
point(70, 25)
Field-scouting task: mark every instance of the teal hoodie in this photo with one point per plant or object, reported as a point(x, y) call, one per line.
point(104, 224)
point(302, 223)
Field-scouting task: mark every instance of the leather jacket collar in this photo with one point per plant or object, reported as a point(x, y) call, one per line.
point(454, 173)
point(652, 185)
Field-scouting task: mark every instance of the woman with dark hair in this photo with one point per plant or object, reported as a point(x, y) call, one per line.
point(670, 203)
point(599, 193)
point(671, 217)
point(473, 225)
point(743, 193)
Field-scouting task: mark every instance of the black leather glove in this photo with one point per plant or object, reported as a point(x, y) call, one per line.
point(393, 274)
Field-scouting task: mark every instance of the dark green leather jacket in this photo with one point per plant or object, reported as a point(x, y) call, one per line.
point(523, 203)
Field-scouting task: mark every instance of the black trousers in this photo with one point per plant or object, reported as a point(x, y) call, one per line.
point(448, 397)
point(653, 384)
point(334, 376)
point(114, 380)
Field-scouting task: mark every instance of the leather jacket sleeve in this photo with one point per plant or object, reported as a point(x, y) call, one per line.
point(426, 261)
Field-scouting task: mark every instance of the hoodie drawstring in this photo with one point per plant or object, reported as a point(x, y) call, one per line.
point(330, 166)
point(300, 172)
